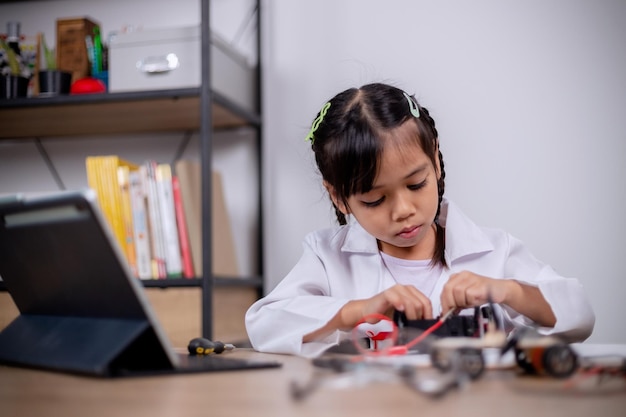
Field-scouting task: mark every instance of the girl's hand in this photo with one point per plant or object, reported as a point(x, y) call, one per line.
point(405, 298)
point(467, 289)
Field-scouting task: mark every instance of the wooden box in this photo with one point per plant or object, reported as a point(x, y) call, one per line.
point(71, 51)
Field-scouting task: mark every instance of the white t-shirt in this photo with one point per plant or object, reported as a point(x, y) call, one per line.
point(418, 273)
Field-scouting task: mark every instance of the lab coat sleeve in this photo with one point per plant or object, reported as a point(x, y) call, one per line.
point(574, 315)
point(299, 304)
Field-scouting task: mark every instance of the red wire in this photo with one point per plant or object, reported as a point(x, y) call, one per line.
point(426, 332)
point(393, 350)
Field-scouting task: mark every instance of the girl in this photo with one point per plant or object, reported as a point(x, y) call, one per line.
point(405, 246)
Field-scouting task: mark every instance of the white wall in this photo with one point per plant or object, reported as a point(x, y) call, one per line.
point(529, 99)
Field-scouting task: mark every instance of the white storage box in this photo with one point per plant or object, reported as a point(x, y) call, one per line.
point(170, 58)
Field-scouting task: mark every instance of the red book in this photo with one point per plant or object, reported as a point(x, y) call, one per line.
point(183, 236)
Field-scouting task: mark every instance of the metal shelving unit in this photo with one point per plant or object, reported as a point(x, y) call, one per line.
point(191, 109)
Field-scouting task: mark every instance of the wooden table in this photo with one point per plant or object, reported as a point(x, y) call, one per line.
point(27, 392)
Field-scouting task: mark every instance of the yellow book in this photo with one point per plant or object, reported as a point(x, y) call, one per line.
point(92, 173)
point(95, 182)
point(102, 176)
point(123, 179)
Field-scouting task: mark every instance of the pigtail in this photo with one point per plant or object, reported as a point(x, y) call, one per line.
point(440, 241)
point(341, 218)
point(431, 132)
point(441, 185)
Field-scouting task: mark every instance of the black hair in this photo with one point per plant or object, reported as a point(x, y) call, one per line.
point(347, 142)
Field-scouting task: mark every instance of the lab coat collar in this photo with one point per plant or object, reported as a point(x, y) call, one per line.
point(463, 236)
point(358, 240)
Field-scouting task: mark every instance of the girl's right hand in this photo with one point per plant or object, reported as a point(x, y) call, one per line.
point(405, 298)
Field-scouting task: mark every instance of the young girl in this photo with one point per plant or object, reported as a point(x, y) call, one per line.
point(400, 244)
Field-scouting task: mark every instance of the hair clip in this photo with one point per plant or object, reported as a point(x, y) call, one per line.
point(317, 122)
point(415, 111)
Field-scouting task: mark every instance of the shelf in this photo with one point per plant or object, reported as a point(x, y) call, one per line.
point(250, 282)
point(116, 113)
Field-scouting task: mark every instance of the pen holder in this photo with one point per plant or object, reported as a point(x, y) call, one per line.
point(54, 82)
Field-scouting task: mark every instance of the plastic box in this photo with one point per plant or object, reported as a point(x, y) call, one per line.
point(170, 58)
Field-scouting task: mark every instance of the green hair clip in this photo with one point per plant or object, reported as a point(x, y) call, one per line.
point(317, 122)
point(415, 111)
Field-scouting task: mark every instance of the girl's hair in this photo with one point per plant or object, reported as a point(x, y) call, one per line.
point(347, 141)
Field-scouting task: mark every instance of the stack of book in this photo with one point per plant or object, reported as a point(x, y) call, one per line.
point(155, 214)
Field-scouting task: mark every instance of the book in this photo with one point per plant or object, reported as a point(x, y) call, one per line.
point(183, 235)
point(126, 211)
point(188, 173)
point(148, 172)
point(102, 176)
point(141, 233)
point(173, 263)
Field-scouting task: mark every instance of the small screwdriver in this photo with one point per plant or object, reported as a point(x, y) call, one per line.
point(202, 346)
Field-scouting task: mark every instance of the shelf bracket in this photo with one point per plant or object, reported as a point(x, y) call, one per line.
point(48, 161)
point(181, 147)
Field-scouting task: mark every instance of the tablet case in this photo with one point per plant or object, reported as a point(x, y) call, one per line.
point(81, 309)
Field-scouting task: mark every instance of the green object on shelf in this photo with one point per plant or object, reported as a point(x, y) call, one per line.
point(97, 46)
point(14, 63)
point(51, 62)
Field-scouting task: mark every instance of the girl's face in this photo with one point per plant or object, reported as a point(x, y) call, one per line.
point(400, 209)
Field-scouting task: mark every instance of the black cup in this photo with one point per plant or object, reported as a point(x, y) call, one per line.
point(54, 82)
point(12, 86)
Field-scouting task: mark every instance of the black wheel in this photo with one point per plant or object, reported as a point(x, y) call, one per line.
point(524, 362)
point(560, 361)
point(440, 359)
point(472, 362)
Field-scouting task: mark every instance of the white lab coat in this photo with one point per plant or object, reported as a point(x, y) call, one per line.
point(343, 263)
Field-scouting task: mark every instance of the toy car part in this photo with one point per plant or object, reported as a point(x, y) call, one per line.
point(465, 360)
point(557, 360)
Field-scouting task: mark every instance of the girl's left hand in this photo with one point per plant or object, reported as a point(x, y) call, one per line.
point(466, 289)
